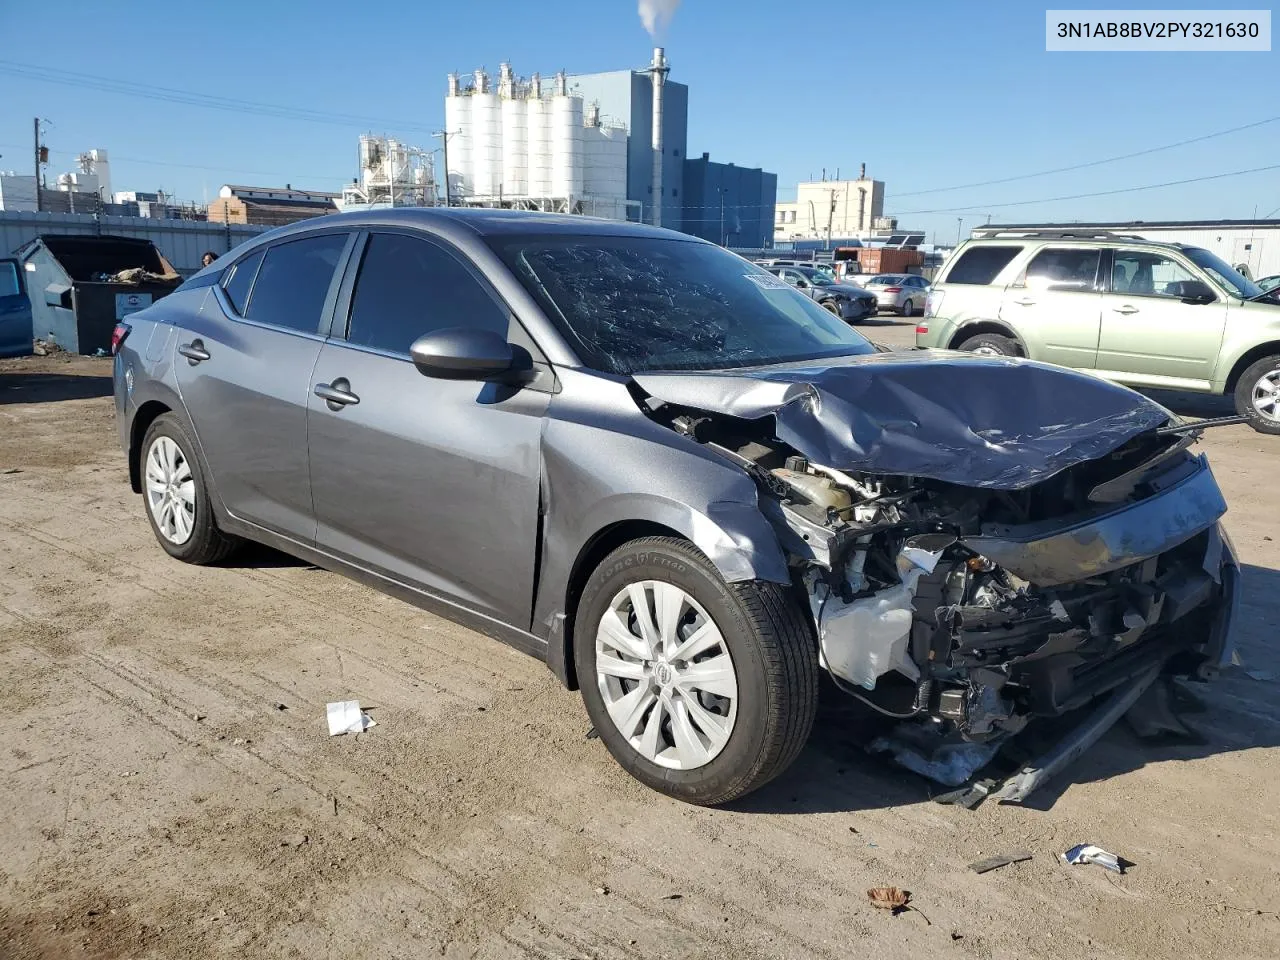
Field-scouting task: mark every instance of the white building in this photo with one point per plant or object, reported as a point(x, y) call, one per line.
point(525, 146)
point(93, 178)
point(17, 191)
point(824, 209)
point(392, 174)
point(1251, 244)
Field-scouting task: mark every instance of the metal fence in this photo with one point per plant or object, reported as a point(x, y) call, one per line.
point(182, 242)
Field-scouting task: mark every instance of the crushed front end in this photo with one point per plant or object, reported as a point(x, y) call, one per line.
point(972, 606)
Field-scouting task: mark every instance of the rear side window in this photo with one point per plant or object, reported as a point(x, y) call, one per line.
point(982, 264)
point(237, 286)
point(1063, 268)
point(409, 287)
point(293, 282)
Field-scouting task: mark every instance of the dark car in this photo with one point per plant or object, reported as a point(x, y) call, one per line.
point(847, 301)
point(684, 485)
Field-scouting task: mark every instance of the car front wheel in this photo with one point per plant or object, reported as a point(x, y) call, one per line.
point(701, 689)
point(1258, 395)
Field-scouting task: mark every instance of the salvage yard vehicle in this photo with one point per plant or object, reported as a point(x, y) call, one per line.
point(683, 484)
point(1139, 312)
point(903, 293)
point(846, 300)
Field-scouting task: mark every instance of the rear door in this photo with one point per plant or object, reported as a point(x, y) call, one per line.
point(15, 311)
point(1149, 335)
point(431, 482)
point(1056, 304)
point(244, 372)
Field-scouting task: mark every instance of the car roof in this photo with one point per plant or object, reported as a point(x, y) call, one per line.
point(1066, 239)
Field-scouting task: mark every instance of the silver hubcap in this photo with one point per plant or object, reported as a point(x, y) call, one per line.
point(171, 491)
point(665, 675)
point(1266, 396)
point(986, 351)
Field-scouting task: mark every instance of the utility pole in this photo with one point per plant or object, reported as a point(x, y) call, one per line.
point(959, 222)
point(444, 136)
point(38, 153)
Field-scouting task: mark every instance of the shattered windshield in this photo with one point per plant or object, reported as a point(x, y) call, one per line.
point(630, 304)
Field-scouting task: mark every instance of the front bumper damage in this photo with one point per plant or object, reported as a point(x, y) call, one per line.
point(987, 574)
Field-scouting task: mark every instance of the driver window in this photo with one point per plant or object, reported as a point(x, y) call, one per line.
point(1142, 274)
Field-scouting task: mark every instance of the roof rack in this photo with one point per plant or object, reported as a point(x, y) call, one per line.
point(1065, 233)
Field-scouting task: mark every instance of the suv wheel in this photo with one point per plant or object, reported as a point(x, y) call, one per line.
point(1258, 395)
point(701, 689)
point(992, 345)
point(177, 496)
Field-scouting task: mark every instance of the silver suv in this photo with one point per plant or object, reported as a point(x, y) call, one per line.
point(1142, 313)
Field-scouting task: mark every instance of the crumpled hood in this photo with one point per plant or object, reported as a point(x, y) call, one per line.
point(995, 422)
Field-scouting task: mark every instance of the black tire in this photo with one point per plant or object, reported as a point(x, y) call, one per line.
point(1244, 395)
point(206, 544)
point(774, 655)
point(908, 308)
point(992, 343)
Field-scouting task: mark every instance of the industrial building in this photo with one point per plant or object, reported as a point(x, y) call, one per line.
point(1251, 246)
point(392, 174)
point(829, 209)
point(605, 144)
point(78, 191)
point(270, 206)
point(728, 204)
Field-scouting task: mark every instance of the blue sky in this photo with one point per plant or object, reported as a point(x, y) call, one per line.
point(927, 94)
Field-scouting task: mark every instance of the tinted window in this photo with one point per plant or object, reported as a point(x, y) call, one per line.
point(981, 264)
point(294, 281)
point(1063, 269)
point(627, 304)
point(237, 285)
point(409, 287)
point(9, 280)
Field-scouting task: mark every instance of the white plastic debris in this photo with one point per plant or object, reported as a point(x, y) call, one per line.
point(1088, 853)
point(345, 716)
point(950, 764)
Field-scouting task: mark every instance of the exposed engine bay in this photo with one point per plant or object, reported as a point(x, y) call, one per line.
point(975, 608)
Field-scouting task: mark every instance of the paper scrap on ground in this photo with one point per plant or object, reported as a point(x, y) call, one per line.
point(1088, 853)
point(346, 716)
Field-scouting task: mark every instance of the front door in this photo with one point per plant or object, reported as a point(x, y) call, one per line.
point(1055, 306)
point(1149, 335)
point(244, 366)
point(15, 311)
point(431, 482)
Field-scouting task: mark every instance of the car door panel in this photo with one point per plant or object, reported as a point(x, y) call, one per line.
point(15, 311)
point(432, 482)
point(1151, 338)
point(245, 386)
point(1056, 308)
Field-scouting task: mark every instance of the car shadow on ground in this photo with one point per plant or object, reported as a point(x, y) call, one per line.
point(1240, 711)
point(51, 387)
point(1193, 404)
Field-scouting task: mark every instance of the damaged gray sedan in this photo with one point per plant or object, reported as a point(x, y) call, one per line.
point(687, 487)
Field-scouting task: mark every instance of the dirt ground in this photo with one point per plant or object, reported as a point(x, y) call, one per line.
point(169, 788)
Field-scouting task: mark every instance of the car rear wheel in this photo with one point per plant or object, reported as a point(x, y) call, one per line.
point(701, 689)
point(908, 309)
point(177, 497)
point(992, 345)
point(1258, 395)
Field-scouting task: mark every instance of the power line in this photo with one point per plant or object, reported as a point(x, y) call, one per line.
point(983, 207)
point(191, 98)
point(1092, 163)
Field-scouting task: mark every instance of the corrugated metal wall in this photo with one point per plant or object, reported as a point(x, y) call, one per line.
point(182, 242)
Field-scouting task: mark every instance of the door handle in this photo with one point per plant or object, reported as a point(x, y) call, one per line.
point(337, 394)
point(1126, 309)
point(1024, 302)
point(194, 351)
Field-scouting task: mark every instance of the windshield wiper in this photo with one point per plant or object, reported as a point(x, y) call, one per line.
point(1200, 425)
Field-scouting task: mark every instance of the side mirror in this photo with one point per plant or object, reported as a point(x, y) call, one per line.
point(462, 353)
point(1197, 291)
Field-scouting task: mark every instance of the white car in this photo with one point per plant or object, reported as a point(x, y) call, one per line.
point(903, 293)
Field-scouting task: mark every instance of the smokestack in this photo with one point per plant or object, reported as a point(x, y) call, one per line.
point(658, 74)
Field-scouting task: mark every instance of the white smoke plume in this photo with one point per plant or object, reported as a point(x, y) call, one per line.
point(657, 14)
